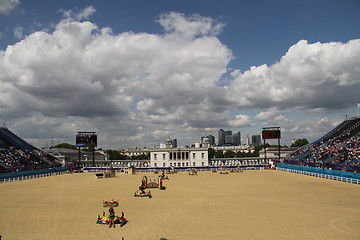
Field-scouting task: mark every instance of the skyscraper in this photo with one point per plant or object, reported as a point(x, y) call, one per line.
point(211, 140)
point(236, 139)
point(228, 138)
point(174, 143)
point(221, 137)
point(255, 140)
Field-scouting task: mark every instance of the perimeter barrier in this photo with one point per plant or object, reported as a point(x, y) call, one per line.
point(349, 177)
point(25, 175)
point(177, 169)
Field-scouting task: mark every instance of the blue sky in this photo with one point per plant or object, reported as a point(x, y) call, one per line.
point(138, 71)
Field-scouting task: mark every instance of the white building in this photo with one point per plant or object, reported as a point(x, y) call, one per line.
point(274, 152)
point(241, 148)
point(179, 157)
point(130, 152)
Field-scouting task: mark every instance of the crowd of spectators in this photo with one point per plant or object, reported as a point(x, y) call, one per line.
point(18, 155)
point(342, 147)
point(13, 160)
point(349, 153)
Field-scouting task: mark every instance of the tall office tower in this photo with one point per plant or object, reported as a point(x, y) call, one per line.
point(221, 137)
point(174, 143)
point(211, 140)
point(248, 140)
point(168, 143)
point(237, 139)
point(256, 140)
point(228, 138)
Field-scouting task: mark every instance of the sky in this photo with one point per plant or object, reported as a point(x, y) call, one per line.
point(136, 72)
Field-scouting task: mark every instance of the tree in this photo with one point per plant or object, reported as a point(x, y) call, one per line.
point(211, 153)
point(247, 154)
point(115, 155)
point(90, 149)
point(65, 145)
point(219, 154)
point(141, 157)
point(300, 142)
point(258, 148)
point(229, 154)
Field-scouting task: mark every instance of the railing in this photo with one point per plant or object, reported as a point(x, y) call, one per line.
point(20, 178)
point(321, 175)
point(185, 169)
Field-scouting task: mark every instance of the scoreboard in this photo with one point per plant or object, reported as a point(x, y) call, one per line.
point(86, 140)
point(271, 134)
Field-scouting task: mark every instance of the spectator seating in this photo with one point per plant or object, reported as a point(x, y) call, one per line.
point(338, 149)
point(18, 155)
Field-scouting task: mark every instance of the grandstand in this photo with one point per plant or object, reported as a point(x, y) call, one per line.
point(17, 155)
point(337, 150)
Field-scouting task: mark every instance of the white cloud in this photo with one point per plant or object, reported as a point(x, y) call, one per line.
point(138, 137)
point(271, 114)
point(138, 88)
point(239, 121)
point(18, 32)
point(82, 14)
point(190, 26)
point(161, 135)
point(79, 71)
point(6, 6)
point(85, 13)
point(311, 76)
point(309, 128)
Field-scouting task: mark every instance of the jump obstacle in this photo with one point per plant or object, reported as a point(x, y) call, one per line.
point(193, 172)
point(153, 182)
point(107, 174)
point(111, 219)
point(150, 183)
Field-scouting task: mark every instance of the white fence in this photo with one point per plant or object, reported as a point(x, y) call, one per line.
point(15, 179)
point(176, 169)
point(321, 175)
point(198, 169)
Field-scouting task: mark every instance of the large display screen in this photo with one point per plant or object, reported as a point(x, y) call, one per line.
point(271, 134)
point(86, 140)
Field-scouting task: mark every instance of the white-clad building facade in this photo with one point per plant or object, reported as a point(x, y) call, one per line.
point(179, 157)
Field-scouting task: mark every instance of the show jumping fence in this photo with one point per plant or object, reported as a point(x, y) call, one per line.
point(336, 177)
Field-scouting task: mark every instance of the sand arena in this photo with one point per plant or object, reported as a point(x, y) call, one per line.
point(262, 205)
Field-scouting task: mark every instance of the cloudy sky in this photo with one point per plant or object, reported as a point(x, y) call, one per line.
point(139, 71)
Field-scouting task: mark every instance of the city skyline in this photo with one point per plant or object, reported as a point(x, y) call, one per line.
point(137, 72)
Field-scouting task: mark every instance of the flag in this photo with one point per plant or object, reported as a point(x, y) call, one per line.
point(358, 106)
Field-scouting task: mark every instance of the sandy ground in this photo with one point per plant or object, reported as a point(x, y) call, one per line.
point(262, 205)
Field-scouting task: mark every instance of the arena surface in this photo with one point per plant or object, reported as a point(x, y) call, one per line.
point(266, 204)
